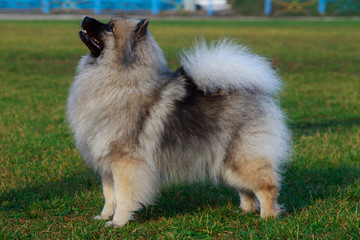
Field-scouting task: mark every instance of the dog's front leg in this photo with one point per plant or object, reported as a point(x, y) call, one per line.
point(108, 190)
point(134, 185)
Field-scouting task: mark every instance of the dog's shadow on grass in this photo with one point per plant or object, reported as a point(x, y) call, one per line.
point(171, 201)
point(18, 200)
point(188, 199)
point(300, 188)
point(303, 187)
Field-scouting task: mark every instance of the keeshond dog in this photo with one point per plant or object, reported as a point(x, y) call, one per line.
point(141, 126)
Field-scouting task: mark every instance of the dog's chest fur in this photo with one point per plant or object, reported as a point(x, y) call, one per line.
point(110, 114)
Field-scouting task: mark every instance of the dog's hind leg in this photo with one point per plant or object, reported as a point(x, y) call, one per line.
point(135, 185)
point(267, 197)
point(254, 177)
point(108, 190)
point(247, 201)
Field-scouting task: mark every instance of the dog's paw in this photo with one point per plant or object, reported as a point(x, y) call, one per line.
point(274, 213)
point(102, 217)
point(114, 224)
point(249, 207)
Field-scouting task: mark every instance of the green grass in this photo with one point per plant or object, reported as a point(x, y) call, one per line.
point(46, 191)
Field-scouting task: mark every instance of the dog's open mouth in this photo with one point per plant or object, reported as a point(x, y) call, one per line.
point(91, 35)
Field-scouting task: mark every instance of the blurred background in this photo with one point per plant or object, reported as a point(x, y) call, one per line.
point(185, 7)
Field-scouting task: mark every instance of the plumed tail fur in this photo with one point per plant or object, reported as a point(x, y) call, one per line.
point(225, 65)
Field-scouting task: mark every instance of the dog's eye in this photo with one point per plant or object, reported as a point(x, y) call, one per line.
point(109, 28)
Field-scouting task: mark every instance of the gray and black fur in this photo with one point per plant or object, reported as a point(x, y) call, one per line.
point(141, 126)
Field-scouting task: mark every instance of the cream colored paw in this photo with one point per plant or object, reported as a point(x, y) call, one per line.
point(249, 207)
point(115, 224)
point(275, 212)
point(102, 217)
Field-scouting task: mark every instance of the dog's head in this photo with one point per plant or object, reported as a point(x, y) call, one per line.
point(121, 39)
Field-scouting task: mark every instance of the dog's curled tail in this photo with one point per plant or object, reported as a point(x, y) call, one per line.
point(225, 65)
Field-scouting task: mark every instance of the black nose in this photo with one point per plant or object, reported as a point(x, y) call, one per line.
point(89, 22)
point(86, 21)
point(89, 19)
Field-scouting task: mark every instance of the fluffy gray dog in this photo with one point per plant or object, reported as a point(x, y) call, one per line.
point(141, 126)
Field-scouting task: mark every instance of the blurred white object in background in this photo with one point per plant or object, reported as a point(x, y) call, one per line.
point(189, 5)
point(217, 5)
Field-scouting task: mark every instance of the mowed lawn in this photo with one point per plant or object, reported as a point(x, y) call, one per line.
point(46, 191)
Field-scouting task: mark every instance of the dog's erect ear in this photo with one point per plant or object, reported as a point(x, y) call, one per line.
point(141, 29)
